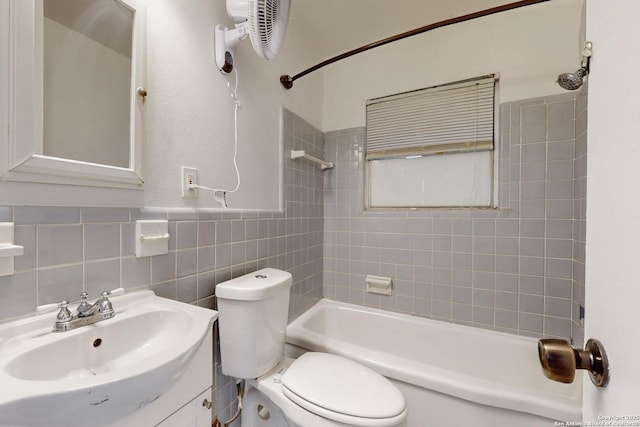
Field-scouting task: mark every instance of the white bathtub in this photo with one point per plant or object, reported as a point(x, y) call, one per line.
point(451, 375)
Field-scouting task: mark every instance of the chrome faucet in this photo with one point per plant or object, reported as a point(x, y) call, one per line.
point(86, 314)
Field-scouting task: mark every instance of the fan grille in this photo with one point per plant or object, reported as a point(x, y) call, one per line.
point(268, 19)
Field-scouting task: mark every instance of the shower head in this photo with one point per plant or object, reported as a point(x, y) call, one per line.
point(572, 81)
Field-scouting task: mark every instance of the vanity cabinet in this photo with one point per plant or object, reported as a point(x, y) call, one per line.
point(193, 414)
point(181, 405)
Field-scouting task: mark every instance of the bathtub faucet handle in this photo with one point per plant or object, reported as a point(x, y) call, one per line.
point(559, 361)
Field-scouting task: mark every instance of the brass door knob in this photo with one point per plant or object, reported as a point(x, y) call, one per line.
point(559, 361)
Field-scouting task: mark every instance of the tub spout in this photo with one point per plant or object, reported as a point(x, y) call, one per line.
point(559, 361)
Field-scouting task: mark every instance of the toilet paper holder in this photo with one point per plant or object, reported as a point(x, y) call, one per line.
point(559, 360)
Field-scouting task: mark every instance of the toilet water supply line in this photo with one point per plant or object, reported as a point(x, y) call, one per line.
point(220, 195)
point(240, 388)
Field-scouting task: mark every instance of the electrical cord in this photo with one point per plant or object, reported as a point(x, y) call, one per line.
point(219, 194)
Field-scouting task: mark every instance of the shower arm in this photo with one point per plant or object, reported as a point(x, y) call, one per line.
point(287, 81)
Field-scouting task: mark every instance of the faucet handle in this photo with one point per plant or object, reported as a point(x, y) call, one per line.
point(104, 305)
point(84, 307)
point(64, 315)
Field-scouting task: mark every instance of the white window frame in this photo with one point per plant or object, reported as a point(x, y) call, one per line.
point(438, 148)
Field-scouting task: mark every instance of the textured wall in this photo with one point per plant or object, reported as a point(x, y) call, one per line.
point(190, 111)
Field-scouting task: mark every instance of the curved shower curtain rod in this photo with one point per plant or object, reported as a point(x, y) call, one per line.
point(287, 81)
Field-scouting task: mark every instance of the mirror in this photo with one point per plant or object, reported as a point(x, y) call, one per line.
point(87, 80)
point(77, 67)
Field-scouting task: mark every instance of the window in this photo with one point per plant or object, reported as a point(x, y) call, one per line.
point(432, 147)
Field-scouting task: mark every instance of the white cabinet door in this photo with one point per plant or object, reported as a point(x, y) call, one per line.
point(193, 414)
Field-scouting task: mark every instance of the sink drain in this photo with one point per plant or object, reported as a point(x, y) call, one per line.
point(97, 342)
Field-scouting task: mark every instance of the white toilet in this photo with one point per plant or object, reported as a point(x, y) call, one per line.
point(315, 390)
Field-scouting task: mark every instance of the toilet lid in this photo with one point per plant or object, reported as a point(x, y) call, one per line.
point(332, 386)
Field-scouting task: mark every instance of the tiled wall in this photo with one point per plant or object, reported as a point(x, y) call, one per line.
point(68, 250)
point(579, 212)
point(518, 269)
point(509, 269)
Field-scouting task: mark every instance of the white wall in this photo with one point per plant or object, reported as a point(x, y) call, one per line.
point(190, 110)
point(613, 202)
point(189, 113)
point(529, 47)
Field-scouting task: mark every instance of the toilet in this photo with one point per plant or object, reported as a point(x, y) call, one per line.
point(314, 390)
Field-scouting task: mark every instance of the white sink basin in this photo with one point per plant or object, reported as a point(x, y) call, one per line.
point(101, 372)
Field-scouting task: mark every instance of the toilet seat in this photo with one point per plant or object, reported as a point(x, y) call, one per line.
point(342, 390)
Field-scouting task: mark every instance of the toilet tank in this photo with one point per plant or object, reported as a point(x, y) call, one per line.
point(252, 317)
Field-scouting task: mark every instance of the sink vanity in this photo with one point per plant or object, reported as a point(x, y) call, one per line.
point(150, 364)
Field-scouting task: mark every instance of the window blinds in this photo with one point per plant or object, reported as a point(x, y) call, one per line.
point(450, 118)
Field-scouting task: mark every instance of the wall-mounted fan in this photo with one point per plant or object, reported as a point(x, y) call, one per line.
point(264, 21)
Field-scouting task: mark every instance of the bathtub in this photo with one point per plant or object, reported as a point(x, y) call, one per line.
point(450, 375)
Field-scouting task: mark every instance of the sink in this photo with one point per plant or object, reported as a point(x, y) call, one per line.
point(99, 372)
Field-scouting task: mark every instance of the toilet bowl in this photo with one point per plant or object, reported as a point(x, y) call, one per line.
point(348, 397)
point(315, 390)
